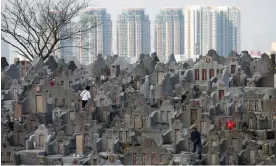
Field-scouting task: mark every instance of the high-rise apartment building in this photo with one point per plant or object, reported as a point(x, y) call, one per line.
point(99, 39)
point(209, 27)
point(200, 30)
point(169, 32)
point(69, 47)
point(133, 32)
point(65, 49)
point(228, 30)
point(5, 50)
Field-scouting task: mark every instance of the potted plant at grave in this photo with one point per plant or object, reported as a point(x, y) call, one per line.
point(120, 152)
point(123, 148)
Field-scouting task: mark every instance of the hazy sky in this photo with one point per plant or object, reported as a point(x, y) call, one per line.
point(258, 17)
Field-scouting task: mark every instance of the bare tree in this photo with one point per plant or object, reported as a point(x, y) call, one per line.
point(36, 28)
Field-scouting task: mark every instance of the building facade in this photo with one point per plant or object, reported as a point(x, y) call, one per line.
point(208, 27)
point(200, 30)
point(69, 49)
point(228, 30)
point(169, 32)
point(5, 50)
point(133, 32)
point(99, 39)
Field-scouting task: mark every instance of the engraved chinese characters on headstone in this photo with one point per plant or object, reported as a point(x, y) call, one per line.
point(60, 146)
point(135, 158)
point(162, 158)
point(153, 159)
point(121, 135)
point(137, 122)
point(127, 120)
point(86, 140)
point(72, 115)
point(18, 111)
point(177, 135)
point(144, 158)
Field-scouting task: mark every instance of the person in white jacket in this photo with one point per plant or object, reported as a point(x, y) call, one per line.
point(85, 96)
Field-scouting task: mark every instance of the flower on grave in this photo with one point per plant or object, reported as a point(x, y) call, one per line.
point(120, 151)
point(52, 83)
point(75, 162)
point(230, 124)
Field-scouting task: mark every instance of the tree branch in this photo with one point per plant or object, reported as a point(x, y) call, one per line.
point(36, 28)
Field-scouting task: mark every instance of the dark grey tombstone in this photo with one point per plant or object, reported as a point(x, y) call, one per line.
point(61, 63)
point(37, 63)
point(168, 86)
point(108, 60)
point(171, 59)
point(97, 68)
point(245, 62)
point(72, 66)
point(51, 63)
point(4, 63)
point(13, 72)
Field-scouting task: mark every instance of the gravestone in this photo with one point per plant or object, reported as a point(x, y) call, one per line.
point(168, 86)
point(37, 63)
point(4, 63)
point(51, 63)
point(13, 72)
point(97, 68)
point(79, 144)
point(18, 111)
point(72, 66)
point(20, 133)
point(62, 63)
point(108, 60)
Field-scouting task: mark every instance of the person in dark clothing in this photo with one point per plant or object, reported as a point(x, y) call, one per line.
point(183, 97)
point(196, 139)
